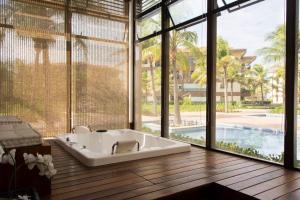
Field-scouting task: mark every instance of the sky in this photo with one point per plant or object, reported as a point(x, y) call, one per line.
point(246, 28)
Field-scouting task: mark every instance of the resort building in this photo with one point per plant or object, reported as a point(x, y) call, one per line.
point(188, 88)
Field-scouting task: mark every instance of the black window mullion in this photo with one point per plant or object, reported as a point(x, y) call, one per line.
point(68, 32)
point(165, 23)
point(211, 74)
point(291, 67)
point(133, 60)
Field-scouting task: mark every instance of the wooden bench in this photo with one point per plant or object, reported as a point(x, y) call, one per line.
point(25, 178)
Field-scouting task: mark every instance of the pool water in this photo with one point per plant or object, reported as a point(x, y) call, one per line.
point(266, 141)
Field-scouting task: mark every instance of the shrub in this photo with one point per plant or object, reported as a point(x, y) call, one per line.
point(233, 147)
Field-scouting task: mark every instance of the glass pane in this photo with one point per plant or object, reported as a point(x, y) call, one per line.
point(250, 81)
point(187, 84)
point(148, 86)
point(100, 72)
point(149, 24)
point(184, 10)
point(111, 7)
point(146, 4)
point(224, 2)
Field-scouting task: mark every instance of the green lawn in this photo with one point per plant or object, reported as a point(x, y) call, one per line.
point(148, 108)
point(280, 110)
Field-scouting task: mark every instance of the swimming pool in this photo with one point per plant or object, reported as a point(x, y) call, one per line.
point(266, 141)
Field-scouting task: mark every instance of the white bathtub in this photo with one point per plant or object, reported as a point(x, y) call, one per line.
point(95, 149)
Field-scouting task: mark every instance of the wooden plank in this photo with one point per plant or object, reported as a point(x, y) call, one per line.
point(171, 187)
point(93, 183)
point(280, 190)
point(295, 195)
point(166, 175)
point(256, 180)
point(97, 188)
point(259, 188)
point(194, 168)
point(247, 176)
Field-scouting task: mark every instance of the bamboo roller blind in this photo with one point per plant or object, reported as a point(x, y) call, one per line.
point(40, 78)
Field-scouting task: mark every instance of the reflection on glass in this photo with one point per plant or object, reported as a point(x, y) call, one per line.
point(146, 4)
point(250, 81)
point(182, 11)
point(148, 86)
point(149, 24)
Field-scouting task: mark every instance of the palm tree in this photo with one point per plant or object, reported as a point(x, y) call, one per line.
point(224, 65)
point(199, 74)
point(81, 50)
point(151, 53)
point(278, 77)
point(185, 40)
point(41, 46)
point(234, 75)
point(227, 66)
point(228, 69)
point(259, 77)
point(274, 54)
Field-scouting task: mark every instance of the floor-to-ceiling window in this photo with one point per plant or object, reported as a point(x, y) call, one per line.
point(187, 84)
point(187, 70)
point(250, 74)
point(35, 63)
point(148, 74)
point(187, 73)
point(250, 80)
point(148, 87)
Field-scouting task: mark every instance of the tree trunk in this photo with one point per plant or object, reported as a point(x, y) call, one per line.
point(47, 111)
point(225, 91)
point(262, 92)
point(153, 88)
point(177, 119)
point(34, 94)
point(231, 92)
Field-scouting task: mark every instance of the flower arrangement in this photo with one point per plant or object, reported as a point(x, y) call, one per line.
point(43, 162)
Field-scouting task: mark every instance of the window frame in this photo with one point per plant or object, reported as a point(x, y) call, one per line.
point(291, 66)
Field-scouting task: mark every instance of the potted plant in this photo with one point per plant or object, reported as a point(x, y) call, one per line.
point(44, 164)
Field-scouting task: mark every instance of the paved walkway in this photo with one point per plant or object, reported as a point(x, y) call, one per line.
point(253, 118)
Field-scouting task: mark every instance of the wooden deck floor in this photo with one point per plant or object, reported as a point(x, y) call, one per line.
point(162, 176)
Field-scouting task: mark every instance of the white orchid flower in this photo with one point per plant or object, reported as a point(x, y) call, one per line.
point(9, 157)
point(24, 197)
point(30, 160)
point(43, 162)
point(2, 152)
point(40, 158)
